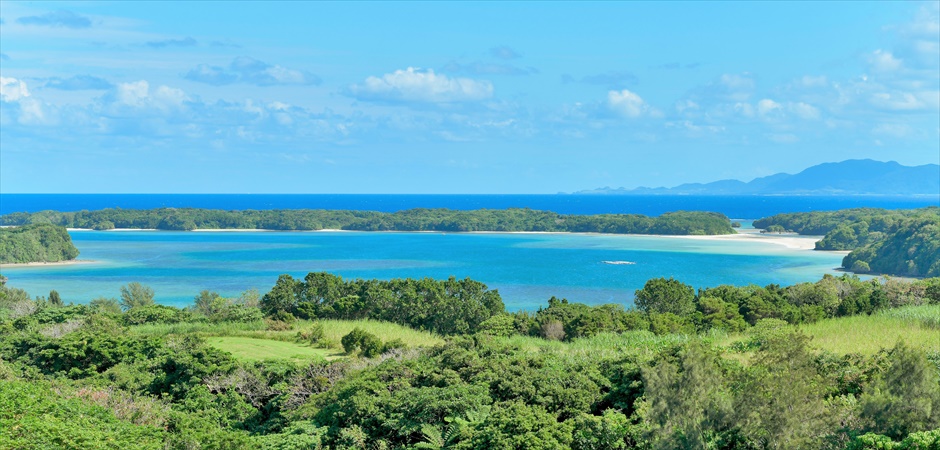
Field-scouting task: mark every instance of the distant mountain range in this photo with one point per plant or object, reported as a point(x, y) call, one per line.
point(852, 177)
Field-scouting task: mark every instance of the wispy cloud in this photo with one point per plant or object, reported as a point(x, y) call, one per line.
point(677, 66)
point(224, 44)
point(250, 71)
point(482, 68)
point(60, 18)
point(184, 42)
point(610, 80)
point(78, 83)
point(504, 52)
point(422, 86)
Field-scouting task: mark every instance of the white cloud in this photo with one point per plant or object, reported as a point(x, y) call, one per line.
point(12, 89)
point(686, 105)
point(137, 95)
point(811, 81)
point(767, 106)
point(884, 61)
point(629, 104)
point(244, 69)
point(804, 110)
point(906, 101)
point(421, 86)
point(737, 87)
point(897, 130)
point(744, 109)
point(26, 109)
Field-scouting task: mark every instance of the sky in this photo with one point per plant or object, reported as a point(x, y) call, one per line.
point(456, 97)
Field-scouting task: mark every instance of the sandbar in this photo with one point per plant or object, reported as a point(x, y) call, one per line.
point(47, 264)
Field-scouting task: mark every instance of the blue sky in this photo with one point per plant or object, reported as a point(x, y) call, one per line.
point(461, 97)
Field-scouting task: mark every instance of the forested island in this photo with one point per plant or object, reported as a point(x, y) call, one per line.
point(894, 242)
point(446, 220)
point(329, 363)
point(36, 243)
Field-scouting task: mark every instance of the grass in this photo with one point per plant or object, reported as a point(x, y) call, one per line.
point(918, 326)
point(252, 349)
point(252, 341)
point(600, 346)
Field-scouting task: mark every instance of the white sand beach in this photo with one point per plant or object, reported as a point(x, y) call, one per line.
point(790, 241)
point(47, 264)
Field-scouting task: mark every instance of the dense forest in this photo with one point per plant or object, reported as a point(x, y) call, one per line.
point(36, 243)
point(679, 222)
point(717, 368)
point(894, 242)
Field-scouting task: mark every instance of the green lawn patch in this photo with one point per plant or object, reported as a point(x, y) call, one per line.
point(253, 349)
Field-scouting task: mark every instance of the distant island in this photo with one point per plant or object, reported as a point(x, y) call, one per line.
point(445, 220)
point(851, 177)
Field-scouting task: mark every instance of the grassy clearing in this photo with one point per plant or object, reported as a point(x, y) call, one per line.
point(868, 334)
point(600, 346)
point(252, 341)
point(251, 349)
point(918, 326)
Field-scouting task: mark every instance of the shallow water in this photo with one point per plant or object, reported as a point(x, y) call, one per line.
point(526, 268)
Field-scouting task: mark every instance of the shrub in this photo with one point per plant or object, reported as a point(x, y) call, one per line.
point(553, 330)
point(154, 314)
point(367, 343)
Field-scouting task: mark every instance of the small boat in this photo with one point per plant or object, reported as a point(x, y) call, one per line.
point(619, 263)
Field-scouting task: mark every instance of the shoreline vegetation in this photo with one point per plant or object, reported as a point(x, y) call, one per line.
point(36, 243)
point(903, 242)
point(442, 220)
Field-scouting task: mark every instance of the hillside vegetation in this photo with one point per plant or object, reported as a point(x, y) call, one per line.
point(680, 222)
point(711, 368)
point(36, 243)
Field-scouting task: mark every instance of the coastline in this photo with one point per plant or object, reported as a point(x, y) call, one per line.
point(47, 264)
point(788, 241)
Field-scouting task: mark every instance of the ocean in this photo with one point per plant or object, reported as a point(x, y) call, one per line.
point(527, 269)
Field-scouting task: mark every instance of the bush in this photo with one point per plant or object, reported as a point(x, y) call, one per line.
point(154, 314)
point(553, 330)
point(367, 343)
point(499, 325)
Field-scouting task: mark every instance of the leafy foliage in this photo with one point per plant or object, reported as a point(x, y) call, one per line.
point(36, 243)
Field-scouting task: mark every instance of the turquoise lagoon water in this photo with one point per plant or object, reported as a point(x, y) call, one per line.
point(526, 268)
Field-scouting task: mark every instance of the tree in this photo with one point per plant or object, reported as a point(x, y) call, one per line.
point(283, 296)
point(134, 294)
point(686, 409)
point(54, 298)
point(780, 405)
point(660, 295)
point(207, 303)
point(906, 398)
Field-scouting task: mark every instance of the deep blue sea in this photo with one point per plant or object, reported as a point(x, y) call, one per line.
point(526, 268)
